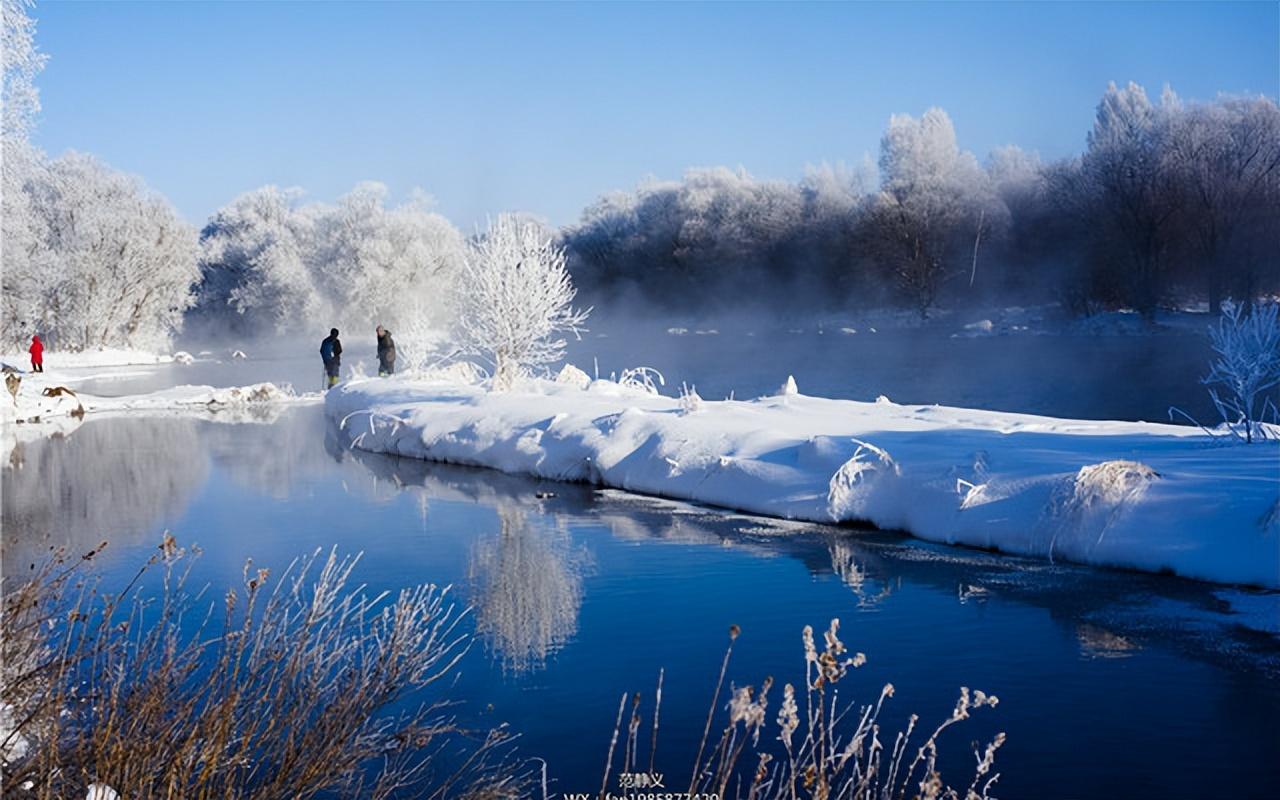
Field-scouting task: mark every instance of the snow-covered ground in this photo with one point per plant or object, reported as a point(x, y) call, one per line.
point(1151, 497)
point(47, 404)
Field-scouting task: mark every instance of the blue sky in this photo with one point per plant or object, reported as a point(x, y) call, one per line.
point(543, 107)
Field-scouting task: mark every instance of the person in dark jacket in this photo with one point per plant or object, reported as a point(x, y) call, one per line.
point(386, 353)
point(37, 354)
point(331, 354)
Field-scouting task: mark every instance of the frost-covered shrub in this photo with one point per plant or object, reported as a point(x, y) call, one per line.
point(317, 689)
point(690, 401)
point(1247, 365)
point(647, 379)
point(514, 300)
point(826, 747)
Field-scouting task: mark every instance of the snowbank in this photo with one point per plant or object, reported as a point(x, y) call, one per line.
point(1158, 498)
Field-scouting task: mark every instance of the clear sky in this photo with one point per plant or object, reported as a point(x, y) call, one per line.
point(543, 107)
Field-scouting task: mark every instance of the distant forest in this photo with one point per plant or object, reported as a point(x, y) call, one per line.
point(1171, 202)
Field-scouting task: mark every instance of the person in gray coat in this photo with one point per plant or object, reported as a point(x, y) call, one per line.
point(386, 353)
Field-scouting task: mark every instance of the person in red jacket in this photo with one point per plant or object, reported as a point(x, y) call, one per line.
point(37, 354)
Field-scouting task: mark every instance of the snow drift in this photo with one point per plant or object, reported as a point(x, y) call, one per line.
point(1159, 498)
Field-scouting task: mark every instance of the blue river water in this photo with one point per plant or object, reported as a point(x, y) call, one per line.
point(1111, 684)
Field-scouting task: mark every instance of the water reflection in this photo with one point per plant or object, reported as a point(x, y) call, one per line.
point(550, 569)
point(528, 590)
point(851, 564)
point(113, 479)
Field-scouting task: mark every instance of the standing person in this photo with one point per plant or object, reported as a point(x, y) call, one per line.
point(331, 354)
point(386, 353)
point(37, 354)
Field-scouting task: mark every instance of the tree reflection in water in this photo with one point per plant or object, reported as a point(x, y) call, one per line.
point(114, 479)
point(528, 590)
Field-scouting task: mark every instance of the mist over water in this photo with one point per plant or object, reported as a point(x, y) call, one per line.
point(1065, 374)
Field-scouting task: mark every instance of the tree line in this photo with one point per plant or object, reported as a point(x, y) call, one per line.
point(1171, 201)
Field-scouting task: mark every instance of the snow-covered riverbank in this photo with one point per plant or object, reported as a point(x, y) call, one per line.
point(1157, 498)
point(47, 404)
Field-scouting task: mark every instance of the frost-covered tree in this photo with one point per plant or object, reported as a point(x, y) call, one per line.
point(1247, 366)
point(22, 62)
point(933, 197)
point(1135, 196)
point(21, 226)
point(515, 300)
point(375, 264)
point(270, 264)
point(1225, 155)
point(122, 261)
point(254, 275)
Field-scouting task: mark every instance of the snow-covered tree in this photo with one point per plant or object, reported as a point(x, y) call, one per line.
point(21, 226)
point(379, 265)
point(122, 261)
point(515, 300)
point(22, 62)
point(933, 197)
point(1247, 366)
point(1131, 183)
point(271, 264)
point(254, 276)
point(1225, 156)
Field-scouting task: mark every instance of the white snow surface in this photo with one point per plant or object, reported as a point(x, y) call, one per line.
point(1158, 498)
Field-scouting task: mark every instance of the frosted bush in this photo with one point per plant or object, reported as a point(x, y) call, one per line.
point(647, 379)
point(848, 489)
point(690, 401)
point(514, 300)
point(1087, 506)
point(1247, 365)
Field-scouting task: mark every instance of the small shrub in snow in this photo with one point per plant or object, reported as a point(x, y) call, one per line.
point(1095, 498)
point(515, 298)
point(847, 491)
point(690, 402)
point(1247, 365)
point(645, 378)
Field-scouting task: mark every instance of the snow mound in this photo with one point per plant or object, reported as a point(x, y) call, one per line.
point(569, 375)
point(183, 357)
point(258, 393)
point(238, 354)
point(460, 372)
point(1159, 498)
